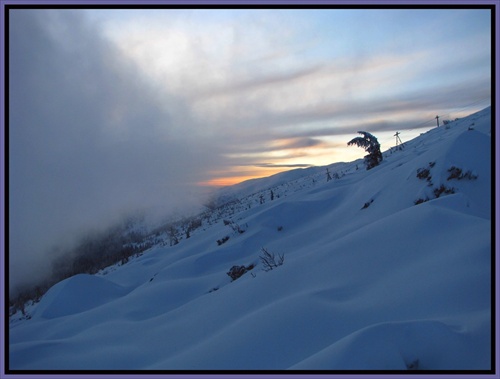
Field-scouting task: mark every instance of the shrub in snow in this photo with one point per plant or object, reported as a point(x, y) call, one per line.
point(367, 204)
point(237, 228)
point(172, 235)
point(328, 175)
point(456, 173)
point(269, 260)
point(442, 189)
point(371, 146)
point(237, 271)
point(222, 240)
point(413, 365)
point(420, 201)
point(190, 225)
point(233, 225)
point(423, 173)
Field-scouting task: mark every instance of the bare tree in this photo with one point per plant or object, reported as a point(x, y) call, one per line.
point(269, 260)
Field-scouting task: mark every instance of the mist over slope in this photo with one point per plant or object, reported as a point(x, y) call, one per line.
point(385, 269)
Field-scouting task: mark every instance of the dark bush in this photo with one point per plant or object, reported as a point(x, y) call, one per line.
point(367, 204)
point(420, 201)
point(457, 173)
point(222, 240)
point(423, 173)
point(237, 271)
point(442, 189)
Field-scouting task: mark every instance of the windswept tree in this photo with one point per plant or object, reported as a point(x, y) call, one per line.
point(371, 146)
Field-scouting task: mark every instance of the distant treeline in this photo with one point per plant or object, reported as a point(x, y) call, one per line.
point(102, 249)
point(93, 253)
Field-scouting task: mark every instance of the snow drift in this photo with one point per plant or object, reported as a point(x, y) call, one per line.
point(386, 269)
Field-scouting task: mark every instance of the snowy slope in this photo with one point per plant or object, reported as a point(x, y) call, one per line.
point(370, 280)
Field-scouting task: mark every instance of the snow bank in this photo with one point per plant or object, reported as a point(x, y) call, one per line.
point(411, 345)
point(77, 294)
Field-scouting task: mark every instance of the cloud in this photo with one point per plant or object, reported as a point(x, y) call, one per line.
point(266, 80)
point(254, 79)
point(89, 140)
point(274, 165)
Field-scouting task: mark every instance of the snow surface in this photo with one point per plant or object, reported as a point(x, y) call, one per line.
point(385, 287)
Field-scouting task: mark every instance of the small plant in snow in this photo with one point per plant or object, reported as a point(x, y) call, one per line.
point(237, 271)
point(367, 204)
point(236, 227)
point(412, 365)
point(442, 189)
point(222, 240)
point(269, 260)
point(420, 200)
point(457, 173)
point(423, 173)
point(328, 175)
point(172, 235)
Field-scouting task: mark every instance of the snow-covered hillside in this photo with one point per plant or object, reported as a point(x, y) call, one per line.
point(386, 269)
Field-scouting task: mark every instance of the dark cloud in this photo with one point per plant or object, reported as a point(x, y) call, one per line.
point(338, 130)
point(299, 143)
point(430, 101)
point(274, 165)
point(280, 144)
point(89, 141)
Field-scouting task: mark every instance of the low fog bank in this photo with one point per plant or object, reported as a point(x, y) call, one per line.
point(93, 247)
point(90, 143)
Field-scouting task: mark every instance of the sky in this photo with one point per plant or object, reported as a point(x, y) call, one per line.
point(115, 111)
